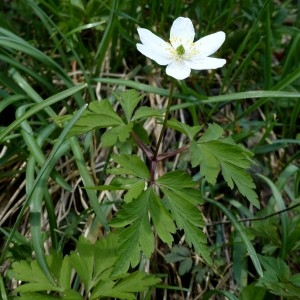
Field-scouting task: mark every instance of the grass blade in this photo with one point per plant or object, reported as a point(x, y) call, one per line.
point(283, 215)
point(35, 196)
point(40, 106)
point(242, 233)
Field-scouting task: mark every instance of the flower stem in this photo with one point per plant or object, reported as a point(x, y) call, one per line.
point(163, 130)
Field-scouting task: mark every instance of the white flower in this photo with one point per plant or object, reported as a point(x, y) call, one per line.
point(181, 54)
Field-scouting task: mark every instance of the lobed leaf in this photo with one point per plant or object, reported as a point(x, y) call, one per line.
point(182, 200)
point(129, 100)
point(100, 115)
point(130, 165)
point(213, 155)
point(125, 287)
point(83, 262)
point(162, 219)
point(119, 133)
point(146, 112)
point(138, 235)
point(189, 131)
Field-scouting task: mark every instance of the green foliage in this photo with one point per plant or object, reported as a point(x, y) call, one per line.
point(181, 199)
point(214, 153)
point(190, 131)
point(278, 278)
point(135, 229)
point(56, 56)
point(100, 114)
point(130, 165)
point(128, 100)
point(93, 263)
point(183, 256)
point(254, 292)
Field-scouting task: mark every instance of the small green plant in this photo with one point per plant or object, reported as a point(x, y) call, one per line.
point(278, 278)
point(89, 266)
point(90, 153)
point(168, 202)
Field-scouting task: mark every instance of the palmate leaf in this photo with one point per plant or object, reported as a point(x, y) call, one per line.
point(181, 200)
point(138, 235)
point(214, 154)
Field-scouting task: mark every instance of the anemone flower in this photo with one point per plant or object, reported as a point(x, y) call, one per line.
point(181, 54)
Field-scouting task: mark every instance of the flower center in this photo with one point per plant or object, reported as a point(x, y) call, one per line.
point(180, 50)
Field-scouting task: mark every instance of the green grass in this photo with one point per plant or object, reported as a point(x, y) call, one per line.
point(58, 56)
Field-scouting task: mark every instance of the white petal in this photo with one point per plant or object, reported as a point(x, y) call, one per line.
point(150, 39)
point(178, 69)
point(161, 57)
point(154, 47)
point(210, 43)
point(206, 63)
point(182, 32)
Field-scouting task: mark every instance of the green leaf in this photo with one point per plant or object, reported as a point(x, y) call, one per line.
point(182, 185)
point(178, 253)
point(37, 281)
point(213, 132)
point(129, 248)
point(189, 131)
point(253, 292)
point(119, 133)
point(147, 112)
point(162, 220)
point(185, 266)
point(126, 287)
point(277, 266)
point(100, 115)
point(137, 236)
point(71, 294)
point(128, 100)
point(40, 106)
point(118, 184)
point(295, 279)
point(208, 295)
point(78, 4)
point(176, 179)
point(182, 200)
point(213, 154)
point(38, 296)
point(130, 165)
point(83, 261)
point(277, 278)
point(134, 191)
point(241, 230)
point(32, 273)
point(105, 257)
point(65, 273)
point(139, 232)
point(36, 287)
